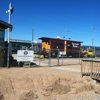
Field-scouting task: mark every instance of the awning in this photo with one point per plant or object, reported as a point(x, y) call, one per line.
point(5, 25)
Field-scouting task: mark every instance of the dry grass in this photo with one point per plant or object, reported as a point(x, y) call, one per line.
point(85, 87)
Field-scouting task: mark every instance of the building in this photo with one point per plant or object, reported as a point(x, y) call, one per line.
point(3, 26)
point(18, 44)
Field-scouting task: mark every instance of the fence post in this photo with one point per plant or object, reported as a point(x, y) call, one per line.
point(79, 56)
point(39, 56)
point(49, 62)
point(62, 58)
point(58, 58)
point(81, 68)
point(91, 68)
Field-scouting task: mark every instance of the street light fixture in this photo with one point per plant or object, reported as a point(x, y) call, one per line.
point(68, 33)
point(32, 43)
point(9, 11)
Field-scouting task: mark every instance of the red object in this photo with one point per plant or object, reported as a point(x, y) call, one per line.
point(57, 43)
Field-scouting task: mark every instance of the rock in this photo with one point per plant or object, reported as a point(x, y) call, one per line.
point(27, 96)
point(1, 96)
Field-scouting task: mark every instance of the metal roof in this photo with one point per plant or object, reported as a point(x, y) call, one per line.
point(87, 46)
point(18, 40)
point(5, 25)
point(59, 39)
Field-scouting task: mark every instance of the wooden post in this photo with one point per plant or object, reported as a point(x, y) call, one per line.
point(91, 69)
point(81, 68)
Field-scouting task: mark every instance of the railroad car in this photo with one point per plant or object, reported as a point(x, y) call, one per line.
point(67, 48)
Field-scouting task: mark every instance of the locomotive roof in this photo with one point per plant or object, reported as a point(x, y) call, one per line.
point(5, 25)
point(41, 38)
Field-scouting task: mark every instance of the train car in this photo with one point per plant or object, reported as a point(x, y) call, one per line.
point(73, 48)
point(56, 45)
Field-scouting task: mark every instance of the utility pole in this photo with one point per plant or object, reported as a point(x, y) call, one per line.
point(93, 50)
point(68, 33)
point(32, 38)
point(9, 11)
point(93, 42)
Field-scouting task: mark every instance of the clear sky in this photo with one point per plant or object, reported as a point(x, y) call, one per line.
point(50, 18)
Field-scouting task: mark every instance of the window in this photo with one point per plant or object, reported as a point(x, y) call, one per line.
point(90, 51)
point(61, 45)
point(16, 44)
point(1, 42)
point(1, 36)
point(58, 44)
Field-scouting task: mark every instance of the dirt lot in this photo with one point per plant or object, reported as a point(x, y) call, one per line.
point(44, 83)
point(47, 83)
point(66, 63)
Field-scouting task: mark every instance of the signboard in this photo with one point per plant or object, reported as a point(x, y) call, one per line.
point(76, 45)
point(25, 55)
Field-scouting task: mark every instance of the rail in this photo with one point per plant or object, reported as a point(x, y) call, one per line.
point(90, 68)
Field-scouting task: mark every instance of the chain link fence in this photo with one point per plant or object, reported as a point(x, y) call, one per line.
point(50, 57)
point(56, 57)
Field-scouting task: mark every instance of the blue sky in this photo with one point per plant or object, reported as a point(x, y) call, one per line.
point(50, 18)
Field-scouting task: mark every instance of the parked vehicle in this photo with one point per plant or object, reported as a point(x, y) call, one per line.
point(89, 52)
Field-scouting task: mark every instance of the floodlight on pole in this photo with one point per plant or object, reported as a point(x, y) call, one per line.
point(93, 43)
point(68, 33)
point(9, 11)
point(32, 38)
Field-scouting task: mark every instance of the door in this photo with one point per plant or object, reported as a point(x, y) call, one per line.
point(1, 46)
